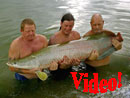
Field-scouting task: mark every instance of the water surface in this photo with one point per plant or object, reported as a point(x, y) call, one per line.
point(47, 15)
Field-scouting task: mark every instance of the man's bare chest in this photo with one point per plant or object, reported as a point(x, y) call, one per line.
point(28, 49)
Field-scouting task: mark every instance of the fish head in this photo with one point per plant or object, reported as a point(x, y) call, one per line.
point(12, 64)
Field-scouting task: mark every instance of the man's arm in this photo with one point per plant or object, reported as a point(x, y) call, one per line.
point(76, 35)
point(66, 62)
point(93, 55)
point(14, 53)
point(43, 39)
point(52, 40)
point(14, 50)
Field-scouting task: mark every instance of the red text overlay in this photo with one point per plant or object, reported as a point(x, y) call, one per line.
point(104, 85)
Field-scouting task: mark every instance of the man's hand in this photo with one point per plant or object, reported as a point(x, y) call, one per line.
point(75, 62)
point(67, 62)
point(116, 44)
point(53, 66)
point(64, 63)
point(93, 55)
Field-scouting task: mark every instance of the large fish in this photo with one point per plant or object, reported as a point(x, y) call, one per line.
point(75, 49)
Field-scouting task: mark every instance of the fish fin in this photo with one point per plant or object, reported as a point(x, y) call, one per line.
point(41, 75)
point(106, 53)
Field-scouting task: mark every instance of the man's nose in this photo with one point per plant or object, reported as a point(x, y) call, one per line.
point(68, 28)
point(97, 26)
point(31, 32)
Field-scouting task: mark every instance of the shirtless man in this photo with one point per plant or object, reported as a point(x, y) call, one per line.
point(97, 23)
point(66, 34)
point(28, 43)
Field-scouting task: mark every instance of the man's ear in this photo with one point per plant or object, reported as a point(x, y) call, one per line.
point(20, 30)
point(103, 21)
point(91, 24)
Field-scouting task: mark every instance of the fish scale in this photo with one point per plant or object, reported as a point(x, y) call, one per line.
point(74, 49)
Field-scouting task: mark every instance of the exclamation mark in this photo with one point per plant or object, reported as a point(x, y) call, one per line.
point(119, 77)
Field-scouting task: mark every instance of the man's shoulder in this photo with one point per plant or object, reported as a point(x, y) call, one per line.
point(54, 38)
point(41, 37)
point(88, 33)
point(76, 34)
point(16, 41)
point(14, 47)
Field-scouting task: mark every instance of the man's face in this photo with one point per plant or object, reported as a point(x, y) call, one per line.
point(67, 26)
point(29, 32)
point(97, 25)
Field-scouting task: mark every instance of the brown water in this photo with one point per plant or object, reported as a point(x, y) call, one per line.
point(47, 15)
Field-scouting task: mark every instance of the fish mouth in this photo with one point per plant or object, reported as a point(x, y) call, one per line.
point(9, 64)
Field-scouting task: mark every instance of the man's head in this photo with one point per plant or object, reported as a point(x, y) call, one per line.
point(67, 23)
point(97, 23)
point(28, 29)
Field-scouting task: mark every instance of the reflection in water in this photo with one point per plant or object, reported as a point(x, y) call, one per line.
point(124, 4)
point(79, 9)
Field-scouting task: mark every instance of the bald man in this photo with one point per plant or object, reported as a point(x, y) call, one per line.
point(97, 23)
